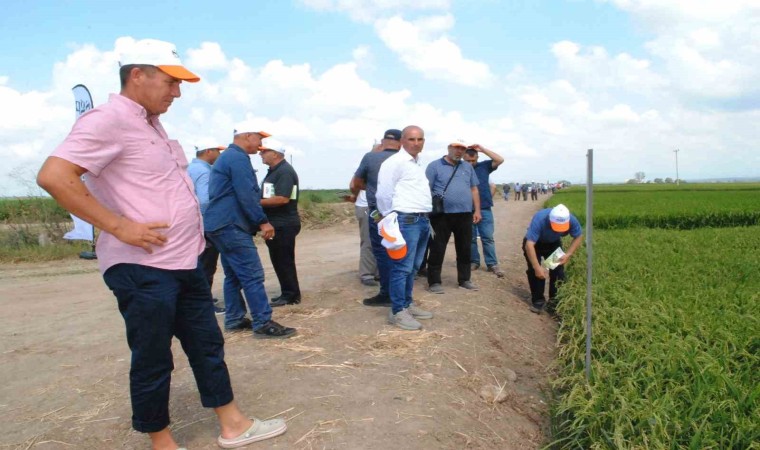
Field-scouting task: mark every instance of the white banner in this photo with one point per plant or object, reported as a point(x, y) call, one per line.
point(83, 103)
point(82, 99)
point(82, 230)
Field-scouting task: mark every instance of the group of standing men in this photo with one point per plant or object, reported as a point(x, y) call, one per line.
point(392, 181)
point(235, 207)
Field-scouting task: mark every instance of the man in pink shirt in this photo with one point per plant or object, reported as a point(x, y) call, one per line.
point(138, 193)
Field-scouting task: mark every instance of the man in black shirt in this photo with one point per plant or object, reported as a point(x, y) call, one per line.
point(279, 198)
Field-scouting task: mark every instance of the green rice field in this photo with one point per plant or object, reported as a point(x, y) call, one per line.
point(676, 354)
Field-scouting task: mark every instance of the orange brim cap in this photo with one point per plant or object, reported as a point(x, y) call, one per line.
point(399, 253)
point(560, 227)
point(180, 73)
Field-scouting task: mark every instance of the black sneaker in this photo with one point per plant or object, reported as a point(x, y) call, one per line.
point(244, 324)
point(279, 301)
point(219, 310)
point(273, 330)
point(536, 308)
point(378, 300)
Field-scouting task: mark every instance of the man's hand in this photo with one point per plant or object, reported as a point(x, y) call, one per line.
point(564, 259)
point(140, 234)
point(476, 147)
point(477, 217)
point(267, 231)
point(541, 273)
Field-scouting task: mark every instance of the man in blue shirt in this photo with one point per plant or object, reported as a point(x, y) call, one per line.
point(543, 237)
point(233, 216)
point(458, 184)
point(199, 171)
point(485, 227)
point(365, 178)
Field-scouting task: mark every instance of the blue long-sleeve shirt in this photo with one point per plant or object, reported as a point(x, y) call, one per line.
point(234, 193)
point(199, 171)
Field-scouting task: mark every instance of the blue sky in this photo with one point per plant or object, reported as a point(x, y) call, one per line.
point(538, 81)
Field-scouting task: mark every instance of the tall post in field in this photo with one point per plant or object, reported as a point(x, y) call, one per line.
point(678, 180)
point(589, 252)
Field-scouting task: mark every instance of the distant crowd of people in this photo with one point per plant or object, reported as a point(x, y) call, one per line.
point(532, 189)
point(165, 224)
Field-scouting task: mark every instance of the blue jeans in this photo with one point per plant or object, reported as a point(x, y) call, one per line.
point(157, 304)
point(242, 270)
point(381, 256)
point(416, 232)
point(485, 230)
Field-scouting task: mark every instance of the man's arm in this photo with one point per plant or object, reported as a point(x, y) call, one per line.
point(386, 186)
point(476, 216)
point(274, 201)
point(283, 190)
point(244, 184)
point(62, 180)
point(496, 159)
point(356, 185)
point(430, 174)
point(201, 189)
point(577, 241)
point(530, 250)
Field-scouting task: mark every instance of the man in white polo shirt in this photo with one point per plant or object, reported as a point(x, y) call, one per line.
point(402, 188)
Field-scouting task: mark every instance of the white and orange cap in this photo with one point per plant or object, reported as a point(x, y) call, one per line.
point(245, 129)
point(161, 54)
point(459, 143)
point(559, 217)
point(393, 241)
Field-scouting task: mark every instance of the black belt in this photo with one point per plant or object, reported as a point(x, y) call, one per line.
point(417, 214)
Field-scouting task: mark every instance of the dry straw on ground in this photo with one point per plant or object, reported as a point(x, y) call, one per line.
point(390, 343)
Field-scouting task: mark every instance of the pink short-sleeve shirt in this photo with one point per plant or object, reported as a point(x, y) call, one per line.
point(136, 171)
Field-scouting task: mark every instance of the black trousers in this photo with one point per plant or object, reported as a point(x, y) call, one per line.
point(537, 285)
point(460, 224)
point(282, 252)
point(208, 261)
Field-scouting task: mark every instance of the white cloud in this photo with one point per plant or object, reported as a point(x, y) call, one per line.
point(709, 48)
point(208, 57)
point(423, 48)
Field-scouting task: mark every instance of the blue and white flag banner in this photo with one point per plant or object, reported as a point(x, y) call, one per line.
point(82, 103)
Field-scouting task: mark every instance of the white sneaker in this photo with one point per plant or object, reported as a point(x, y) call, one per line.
point(418, 313)
point(404, 320)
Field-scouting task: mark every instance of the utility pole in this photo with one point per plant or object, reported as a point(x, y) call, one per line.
point(678, 181)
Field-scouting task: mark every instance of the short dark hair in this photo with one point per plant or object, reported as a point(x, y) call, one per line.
point(125, 70)
point(471, 152)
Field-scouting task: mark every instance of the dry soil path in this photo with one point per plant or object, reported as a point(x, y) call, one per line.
point(348, 381)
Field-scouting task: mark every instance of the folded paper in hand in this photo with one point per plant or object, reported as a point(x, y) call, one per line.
point(552, 261)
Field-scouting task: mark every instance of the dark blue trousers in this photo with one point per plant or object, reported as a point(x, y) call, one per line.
point(158, 304)
point(537, 285)
point(381, 257)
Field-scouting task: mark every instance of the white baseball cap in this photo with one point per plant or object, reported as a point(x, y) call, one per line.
point(161, 54)
point(459, 143)
point(559, 217)
point(272, 144)
point(250, 129)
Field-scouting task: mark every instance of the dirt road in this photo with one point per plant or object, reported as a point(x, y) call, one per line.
point(348, 381)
